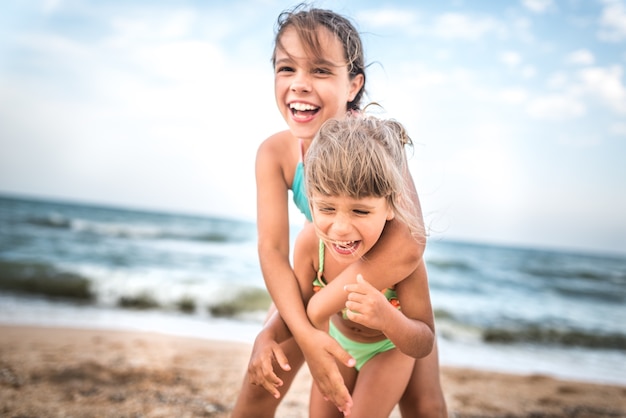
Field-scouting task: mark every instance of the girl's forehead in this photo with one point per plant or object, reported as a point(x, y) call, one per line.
point(323, 46)
point(346, 199)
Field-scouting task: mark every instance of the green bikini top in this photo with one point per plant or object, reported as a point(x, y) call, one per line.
point(319, 282)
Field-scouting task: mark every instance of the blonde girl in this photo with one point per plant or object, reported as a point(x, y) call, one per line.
point(354, 172)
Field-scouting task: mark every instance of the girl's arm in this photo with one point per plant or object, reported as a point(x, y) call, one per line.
point(273, 234)
point(304, 260)
point(280, 280)
point(410, 329)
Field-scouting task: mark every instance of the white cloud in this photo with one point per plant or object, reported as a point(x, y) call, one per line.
point(55, 46)
point(513, 95)
point(49, 6)
point(613, 21)
point(184, 61)
point(424, 78)
point(460, 26)
point(603, 85)
point(511, 58)
point(555, 107)
point(447, 26)
point(606, 85)
point(579, 141)
point(486, 167)
point(537, 6)
point(166, 26)
point(581, 57)
point(387, 18)
point(557, 81)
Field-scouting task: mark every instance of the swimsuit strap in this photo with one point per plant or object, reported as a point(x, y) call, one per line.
point(319, 281)
point(320, 270)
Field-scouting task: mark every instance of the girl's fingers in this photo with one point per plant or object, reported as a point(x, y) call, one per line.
point(281, 359)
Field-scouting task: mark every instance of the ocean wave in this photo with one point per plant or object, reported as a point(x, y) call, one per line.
point(551, 336)
point(455, 328)
point(245, 300)
point(43, 279)
point(218, 237)
point(53, 220)
point(133, 231)
point(37, 279)
point(450, 264)
point(442, 314)
point(575, 273)
point(243, 303)
point(602, 295)
point(147, 301)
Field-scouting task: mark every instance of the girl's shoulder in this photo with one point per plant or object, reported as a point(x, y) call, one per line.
point(307, 245)
point(283, 139)
point(280, 151)
point(308, 236)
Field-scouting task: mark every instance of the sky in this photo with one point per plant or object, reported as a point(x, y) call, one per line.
point(517, 108)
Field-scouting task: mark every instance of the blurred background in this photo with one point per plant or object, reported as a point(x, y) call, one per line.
point(128, 132)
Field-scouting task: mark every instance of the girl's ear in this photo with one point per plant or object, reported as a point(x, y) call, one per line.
point(355, 86)
point(390, 214)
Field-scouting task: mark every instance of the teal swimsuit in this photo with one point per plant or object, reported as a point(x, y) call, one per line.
point(361, 352)
point(299, 192)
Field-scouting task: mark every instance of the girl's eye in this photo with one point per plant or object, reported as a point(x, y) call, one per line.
point(323, 71)
point(284, 69)
point(326, 210)
point(361, 212)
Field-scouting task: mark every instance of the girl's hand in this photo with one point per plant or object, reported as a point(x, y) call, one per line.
point(322, 353)
point(366, 304)
point(260, 367)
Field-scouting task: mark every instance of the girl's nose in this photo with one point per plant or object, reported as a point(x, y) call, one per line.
point(301, 83)
point(341, 225)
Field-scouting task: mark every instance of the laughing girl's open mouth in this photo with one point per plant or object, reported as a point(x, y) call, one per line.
point(303, 110)
point(346, 247)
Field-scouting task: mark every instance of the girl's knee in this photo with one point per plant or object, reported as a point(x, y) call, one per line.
point(255, 401)
point(423, 407)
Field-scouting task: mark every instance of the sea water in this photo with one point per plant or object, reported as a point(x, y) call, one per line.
point(519, 310)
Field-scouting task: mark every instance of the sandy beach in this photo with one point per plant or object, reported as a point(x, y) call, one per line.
point(60, 372)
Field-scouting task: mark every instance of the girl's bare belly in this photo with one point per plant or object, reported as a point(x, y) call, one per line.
point(355, 331)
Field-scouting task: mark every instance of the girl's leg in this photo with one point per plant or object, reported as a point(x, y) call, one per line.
point(254, 401)
point(380, 384)
point(320, 407)
point(423, 397)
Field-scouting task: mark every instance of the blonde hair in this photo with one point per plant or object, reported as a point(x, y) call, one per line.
point(363, 156)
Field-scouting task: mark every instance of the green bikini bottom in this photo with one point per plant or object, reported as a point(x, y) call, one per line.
point(361, 352)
